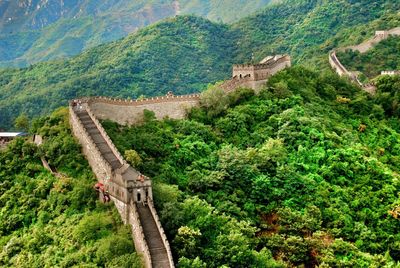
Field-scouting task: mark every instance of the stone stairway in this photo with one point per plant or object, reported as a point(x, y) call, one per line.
point(98, 139)
point(158, 252)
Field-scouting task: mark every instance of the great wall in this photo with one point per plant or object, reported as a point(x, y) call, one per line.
point(130, 190)
point(362, 48)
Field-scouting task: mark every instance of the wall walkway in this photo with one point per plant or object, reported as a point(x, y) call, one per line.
point(131, 191)
point(125, 185)
point(362, 48)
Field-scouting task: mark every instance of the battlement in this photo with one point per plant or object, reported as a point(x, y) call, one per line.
point(261, 71)
point(139, 102)
point(391, 73)
point(383, 34)
point(130, 190)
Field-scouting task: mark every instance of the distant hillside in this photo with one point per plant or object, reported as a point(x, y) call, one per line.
point(384, 56)
point(40, 30)
point(301, 27)
point(182, 54)
point(185, 53)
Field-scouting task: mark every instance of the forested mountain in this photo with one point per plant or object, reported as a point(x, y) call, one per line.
point(305, 28)
point(306, 174)
point(181, 54)
point(39, 30)
point(48, 221)
point(303, 174)
point(185, 53)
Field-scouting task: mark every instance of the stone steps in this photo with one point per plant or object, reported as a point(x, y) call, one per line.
point(98, 139)
point(158, 252)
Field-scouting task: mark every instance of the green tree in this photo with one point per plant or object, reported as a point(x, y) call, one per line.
point(22, 122)
point(133, 158)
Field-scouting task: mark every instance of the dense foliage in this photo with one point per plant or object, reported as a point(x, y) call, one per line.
point(48, 221)
point(43, 30)
point(306, 173)
point(382, 57)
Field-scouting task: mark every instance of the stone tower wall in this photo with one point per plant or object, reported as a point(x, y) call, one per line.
point(100, 166)
point(126, 112)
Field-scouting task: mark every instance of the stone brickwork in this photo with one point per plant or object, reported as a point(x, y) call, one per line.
point(378, 37)
point(99, 165)
point(257, 74)
point(129, 112)
point(126, 186)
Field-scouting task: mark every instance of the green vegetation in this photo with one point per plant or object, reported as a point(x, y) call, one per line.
point(56, 222)
point(304, 28)
point(383, 57)
point(306, 173)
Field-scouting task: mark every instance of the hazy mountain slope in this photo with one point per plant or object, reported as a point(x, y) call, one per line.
point(181, 54)
point(222, 10)
point(32, 31)
point(83, 24)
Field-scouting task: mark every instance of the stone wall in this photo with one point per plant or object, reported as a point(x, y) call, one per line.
point(160, 230)
point(100, 166)
point(126, 112)
point(129, 215)
point(368, 44)
point(124, 182)
point(362, 48)
point(337, 65)
point(262, 71)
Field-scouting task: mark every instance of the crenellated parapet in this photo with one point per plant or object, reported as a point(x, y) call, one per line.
point(129, 112)
point(126, 186)
point(259, 73)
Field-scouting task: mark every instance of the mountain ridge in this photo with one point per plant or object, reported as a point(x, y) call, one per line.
point(77, 25)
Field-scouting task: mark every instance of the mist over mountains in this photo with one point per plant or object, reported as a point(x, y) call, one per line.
point(41, 30)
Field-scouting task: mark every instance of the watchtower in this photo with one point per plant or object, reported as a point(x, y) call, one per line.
point(382, 34)
point(258, 74)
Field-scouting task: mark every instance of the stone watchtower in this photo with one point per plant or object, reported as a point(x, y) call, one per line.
point(258, 74)
point(382, 34)
point(128, 185)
